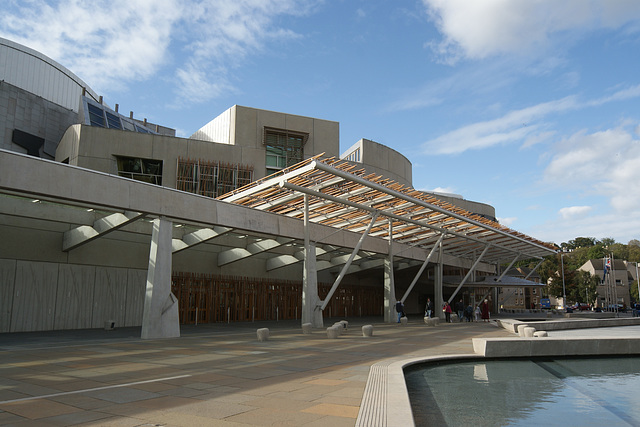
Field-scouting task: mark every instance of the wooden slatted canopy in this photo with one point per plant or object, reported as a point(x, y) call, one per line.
point(342, 196)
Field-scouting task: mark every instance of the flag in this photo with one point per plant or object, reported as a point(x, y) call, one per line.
point(607, 267)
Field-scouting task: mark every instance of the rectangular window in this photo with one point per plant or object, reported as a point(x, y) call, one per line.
point(96, 116)
point(113, 121)
point(211, 179)
point(284, 148)
point(145, 170)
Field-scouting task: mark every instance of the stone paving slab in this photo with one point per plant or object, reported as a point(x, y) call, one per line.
point(217, 374)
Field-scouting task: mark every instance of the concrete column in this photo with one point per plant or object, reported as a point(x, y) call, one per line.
point(311, 312)
point(160, 316)
point(438, 298)
point(390, 315)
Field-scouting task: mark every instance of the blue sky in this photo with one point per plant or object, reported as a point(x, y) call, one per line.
point(530, 106)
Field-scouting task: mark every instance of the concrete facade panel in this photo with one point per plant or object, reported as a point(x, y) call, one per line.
point(74, 294)
point(136, 283)
point(34, 296)
point(7, 283)
point(110, 296)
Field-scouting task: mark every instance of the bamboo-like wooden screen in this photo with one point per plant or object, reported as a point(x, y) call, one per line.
point(214, 298)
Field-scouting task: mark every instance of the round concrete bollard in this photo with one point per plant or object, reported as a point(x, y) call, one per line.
point(263, 334)
point(333, 332)
point(307, 328)
point(404, 320)
point(345, 324)
point(528, 331)
point(540, 334)
point(521, 329)
point(367, 331)
point(339, 327)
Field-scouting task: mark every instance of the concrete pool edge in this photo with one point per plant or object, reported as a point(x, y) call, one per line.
point(386, 400)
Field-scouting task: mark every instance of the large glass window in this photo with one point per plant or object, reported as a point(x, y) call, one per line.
point(283, 148)
point(146, 170)
point(96, 115)
point(211, 179)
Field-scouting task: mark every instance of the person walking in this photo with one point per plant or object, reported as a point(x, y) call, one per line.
point(484, 309)
point(447, 312)
point(429, 309)
point(400, 309)
point(477, 313)
point(460, 309)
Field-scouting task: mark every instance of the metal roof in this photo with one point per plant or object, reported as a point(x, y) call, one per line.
point(345, 197)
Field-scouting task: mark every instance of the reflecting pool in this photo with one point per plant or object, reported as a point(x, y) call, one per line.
point(523, 392)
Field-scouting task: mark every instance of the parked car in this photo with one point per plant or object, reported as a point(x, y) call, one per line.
point(580, 306)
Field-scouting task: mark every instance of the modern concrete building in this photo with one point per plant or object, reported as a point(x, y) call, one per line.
point(255, 216)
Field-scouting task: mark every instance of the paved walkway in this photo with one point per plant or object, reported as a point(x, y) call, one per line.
point(214, 375)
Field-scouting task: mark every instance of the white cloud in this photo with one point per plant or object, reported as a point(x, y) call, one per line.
point(482, 28)
point(603, 163)
point(113, 43)
point(507, 221)
point(517, 126)
point(574, 211)
point(514, 126)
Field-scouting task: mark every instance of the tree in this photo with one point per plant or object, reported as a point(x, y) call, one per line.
point(607, 241)
point(634, 242)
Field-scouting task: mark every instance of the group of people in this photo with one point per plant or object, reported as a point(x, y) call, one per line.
point(467, 313)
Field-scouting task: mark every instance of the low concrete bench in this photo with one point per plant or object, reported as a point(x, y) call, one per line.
point(367, 331)
point(431, 321)
point(540, 334)
point(307, 328)
point(333, 332)
point(263, 334)
point(529, 331)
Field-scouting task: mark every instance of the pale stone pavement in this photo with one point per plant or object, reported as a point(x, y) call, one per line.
point(214, 375)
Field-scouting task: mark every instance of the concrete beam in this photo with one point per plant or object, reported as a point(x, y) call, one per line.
point(85, 233)
point(196, 237)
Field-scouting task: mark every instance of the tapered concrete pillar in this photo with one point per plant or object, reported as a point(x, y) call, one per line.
point(160, 316)
point(438, 298)
point(311, 312)
point(390, 314)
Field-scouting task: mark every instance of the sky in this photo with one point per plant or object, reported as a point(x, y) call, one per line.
point(529, 106)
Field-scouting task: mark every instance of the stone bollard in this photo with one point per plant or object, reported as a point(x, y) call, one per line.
point(404, 320)
point(528, 331)
point(333, 332)
point(307, 328)
point(345, 324)
point(263, 334)
point(521, 329)
point(427, 321)
point(339, 327)
point(540, 334)
point(367, 331)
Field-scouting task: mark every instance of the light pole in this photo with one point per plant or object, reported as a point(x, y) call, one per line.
point(564, 292)
point(638, 280)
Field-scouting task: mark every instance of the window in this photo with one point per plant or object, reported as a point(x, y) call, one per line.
point(211, 179)
point(96, 116)
point(113, 121)
point(145, 170)
point(284, 148)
